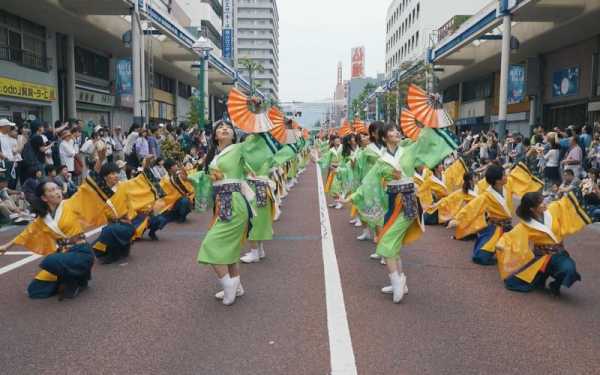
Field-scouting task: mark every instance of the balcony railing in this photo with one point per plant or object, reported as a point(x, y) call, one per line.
point(25, 58)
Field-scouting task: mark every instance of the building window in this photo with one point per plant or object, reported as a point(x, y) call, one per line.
point(478, 89)
point(164, 83)
point(22, 42)
point(183, 90)
point(91, 64)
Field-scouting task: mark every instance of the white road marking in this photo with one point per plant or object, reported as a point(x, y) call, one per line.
point(19, 263)
point(32, 257)
point(18, 253)
point(340, 343)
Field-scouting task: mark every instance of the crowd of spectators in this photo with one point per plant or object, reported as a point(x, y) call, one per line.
point(565, 159)
point(32, 150)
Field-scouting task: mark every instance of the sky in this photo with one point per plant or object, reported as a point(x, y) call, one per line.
point(315, 34)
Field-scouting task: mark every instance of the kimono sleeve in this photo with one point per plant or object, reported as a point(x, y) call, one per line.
point(430, 149)
point(203, 189)
point(522, 181)
point(369, 198)
point(453, 175)
point(471, 218)
point(89, 207)
point(36, 238)
point(513, 252)
point(284, 155)
point(140, 193)
point(450, 205)
point(571, 216)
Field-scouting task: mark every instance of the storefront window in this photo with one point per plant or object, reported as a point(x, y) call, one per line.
point(91, 64)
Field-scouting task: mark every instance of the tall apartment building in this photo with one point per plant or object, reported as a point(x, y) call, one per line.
point(206, 15)
point(410, 25)
point(257, 38)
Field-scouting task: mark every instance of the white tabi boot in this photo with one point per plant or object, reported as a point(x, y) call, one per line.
point(252, 256)
point(398, 282)
point(388, 289)
point(240, 292)
point(230, 290)
point(365, 235)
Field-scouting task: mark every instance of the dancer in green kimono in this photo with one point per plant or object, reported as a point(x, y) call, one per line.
point(343, 180)
point(223, 178)
point(388, 197)
point(259, 152)
point(329, 163)
point(369, 156)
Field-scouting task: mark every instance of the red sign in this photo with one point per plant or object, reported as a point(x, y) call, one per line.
point(358, 62)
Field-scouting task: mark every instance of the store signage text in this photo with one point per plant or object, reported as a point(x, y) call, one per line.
point(85, 96)
point(20, 89)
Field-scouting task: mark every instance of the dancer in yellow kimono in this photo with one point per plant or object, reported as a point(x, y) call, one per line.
point(448, 207)
point(59, 235)
point(430, 192)
point(177, 200)
point(534, 250)
point(490, 214)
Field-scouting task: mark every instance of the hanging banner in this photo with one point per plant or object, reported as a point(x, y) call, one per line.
point(124, 82)
point(228, 25)
point(516, 84)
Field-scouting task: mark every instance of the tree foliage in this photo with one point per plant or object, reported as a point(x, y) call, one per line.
point(251, 66)
point(357, 106)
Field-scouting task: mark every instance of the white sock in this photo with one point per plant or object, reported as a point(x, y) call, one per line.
point(224, 280)
point(394, 277)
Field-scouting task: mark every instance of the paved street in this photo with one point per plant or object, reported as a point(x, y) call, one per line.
point(156, 314)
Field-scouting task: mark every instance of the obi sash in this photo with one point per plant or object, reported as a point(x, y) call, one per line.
point(224, 194)
point(409, 198)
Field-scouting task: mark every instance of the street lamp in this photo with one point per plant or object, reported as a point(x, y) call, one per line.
point(202, 47)
point(378, 93)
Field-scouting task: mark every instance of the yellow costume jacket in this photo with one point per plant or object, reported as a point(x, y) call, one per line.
point(514, 249)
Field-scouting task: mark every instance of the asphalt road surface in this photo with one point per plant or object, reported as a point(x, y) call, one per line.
point(156, 314)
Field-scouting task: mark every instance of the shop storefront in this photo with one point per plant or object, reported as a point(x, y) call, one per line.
point(94, 107)
point(20, 101)
point(163, 106)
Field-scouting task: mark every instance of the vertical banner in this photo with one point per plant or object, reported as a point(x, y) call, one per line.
point(124, 82)
point(516, 84)
point(228, 24)
point(358, 62)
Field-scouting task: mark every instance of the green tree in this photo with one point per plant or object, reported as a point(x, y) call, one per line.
point(251, 67)
point(357, 103)
point(193, 116)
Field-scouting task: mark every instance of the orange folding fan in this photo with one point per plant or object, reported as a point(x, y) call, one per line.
point(408, 124)
point(242, 117)
point(427, 108)
point(279, 132)
point(345, 129)
point(360, 126)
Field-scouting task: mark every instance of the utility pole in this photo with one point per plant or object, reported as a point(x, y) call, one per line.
point(505, 6)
